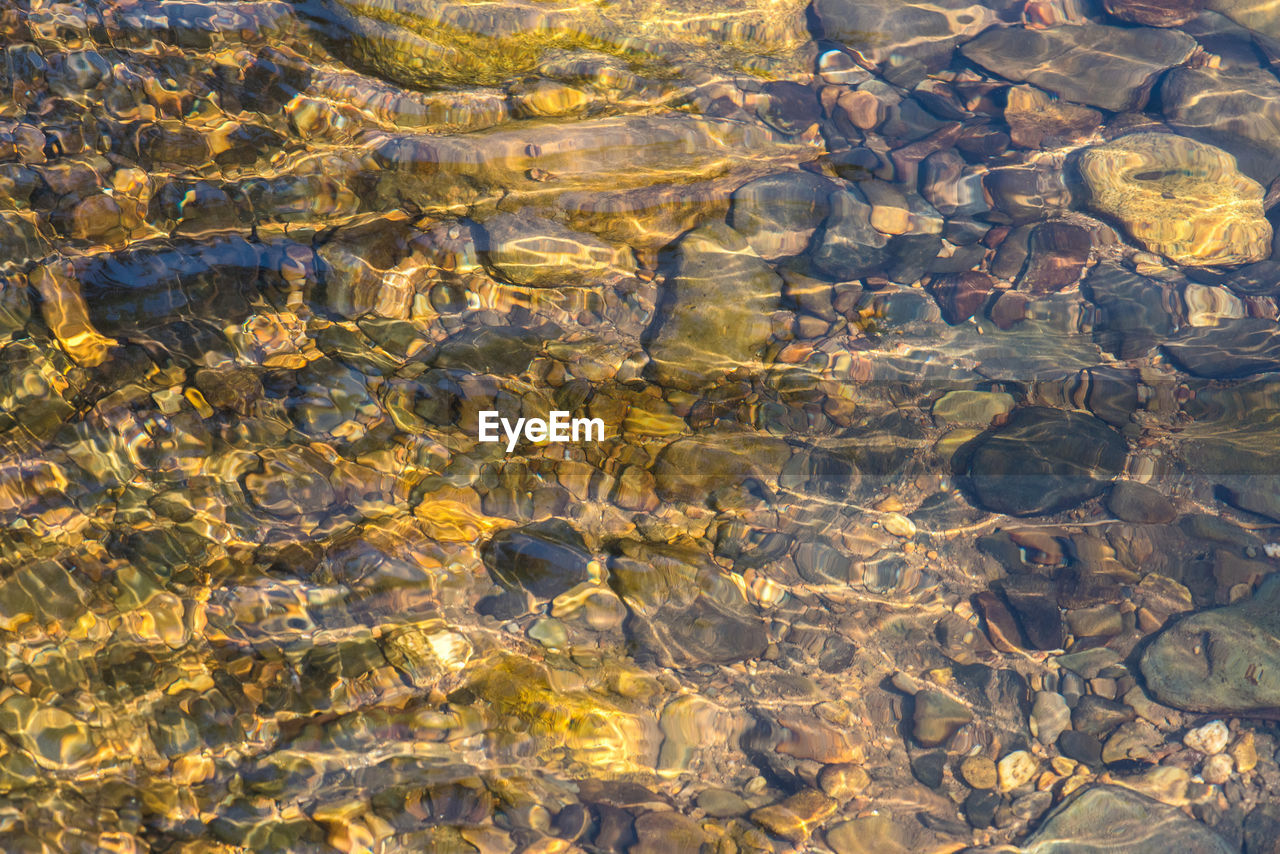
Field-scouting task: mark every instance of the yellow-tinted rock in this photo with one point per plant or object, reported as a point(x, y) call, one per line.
point(1181, 198)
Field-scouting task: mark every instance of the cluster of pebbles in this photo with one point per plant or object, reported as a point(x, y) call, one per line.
point(937, 347)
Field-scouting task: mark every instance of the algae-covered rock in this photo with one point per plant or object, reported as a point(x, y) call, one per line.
point(1180, 198)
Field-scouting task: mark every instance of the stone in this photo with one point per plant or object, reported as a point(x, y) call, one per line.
point(872, 834)
point(1262, 829)
point(545, 558)
point(1180, 198)
point(1016, 769)
point(999, 622)
point(937, 718)
point(980, 808)
point(979, 772)
point(1209, 738)
point(1103, 66)
point(971, 407)
point(1217, 768)
point(459, 44)
point(722, 803)
point(1235, 109)
point(1034, 600)
point(929, 768)
point(1225, 660)
point(1233, 348)
point(1057, 254)
point(1138, 503)
point(1134, 313)
point(907, 39)
point(1110, 818)
point(961, 295)
point(526, 249)
point(779, 213)
point(1155, 13)
point(1081, 746)
point(796, 817)
point(1098, 716)
point(717, 306)
point(1050, 716)
point(1043, 461)
point(1039, 121)
point(843, 780)
point(666, 831)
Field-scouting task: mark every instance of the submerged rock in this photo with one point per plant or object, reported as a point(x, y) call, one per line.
point(1226, 660)
point(1043, 461)
point(1180, 198)
point(1110, 818)
point(435, 44)
point(903, 37)
point(545, 558)
point(1236, 109)
point(1155, 13)
point(1233, 348)
point(1038, 121)
point(1102, 66)
point(777, 214)
point(716, 312)
point(526, 249)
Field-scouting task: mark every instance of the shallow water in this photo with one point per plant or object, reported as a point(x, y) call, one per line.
point(936, 350)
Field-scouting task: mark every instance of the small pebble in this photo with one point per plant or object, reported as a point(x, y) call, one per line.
point(1217, 768)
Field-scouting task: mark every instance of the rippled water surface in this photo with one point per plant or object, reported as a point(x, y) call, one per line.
point(935, 344)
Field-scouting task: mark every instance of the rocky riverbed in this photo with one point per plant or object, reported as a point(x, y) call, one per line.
point(937, 348)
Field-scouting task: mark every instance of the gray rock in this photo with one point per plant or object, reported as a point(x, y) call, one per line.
point(1237, 110)
point(1049, 716)
point(1140, 504)
point(715, 315)
point(1043, 461)
point(1109, 67)
point(1226, 660)
point(907, 39)
point(778, 214)
point(1104, 819)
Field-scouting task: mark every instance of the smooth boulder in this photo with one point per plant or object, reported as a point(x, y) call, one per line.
point(1043, 461)
point(1223, 661)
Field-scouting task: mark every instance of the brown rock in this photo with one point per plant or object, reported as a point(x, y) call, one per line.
point(1039, 121)
point(795, 818)
point(1058, 252)
point(997, 619)
point(961, 295)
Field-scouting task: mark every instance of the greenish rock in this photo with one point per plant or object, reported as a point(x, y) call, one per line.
point(937, 718)
point(54, 738)
point(715, 314)
point(1260, 501)
point(696, 469)
point(971, 407)
point(721, 803)
point(526, 249)
point(1106, 819)
point(1225, 660)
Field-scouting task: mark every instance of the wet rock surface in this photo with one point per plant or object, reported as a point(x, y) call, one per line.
point(918, 467)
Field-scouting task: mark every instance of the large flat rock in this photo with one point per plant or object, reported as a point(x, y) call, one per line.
point(1109, 67)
